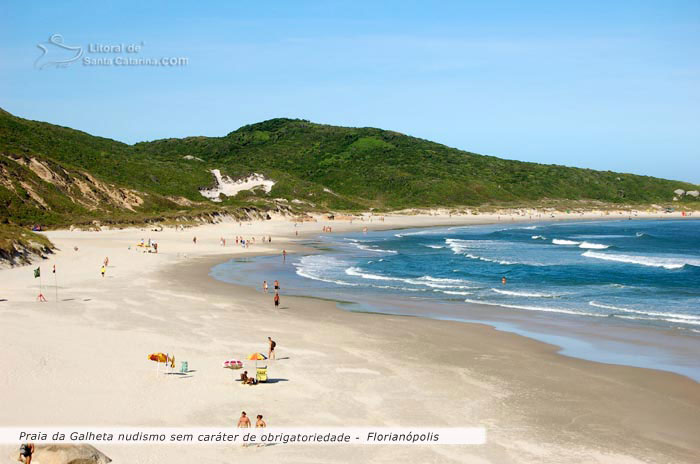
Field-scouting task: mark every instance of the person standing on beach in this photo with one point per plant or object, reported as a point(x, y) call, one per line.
point(265, 286)
point(277, 299)
point(27, 449)
point(260, 423)
point(102, 270)
point(106, 261)
point(277, 285)
point(284, 256)
point(243, 421)
point(271, 350)
point(194, 239)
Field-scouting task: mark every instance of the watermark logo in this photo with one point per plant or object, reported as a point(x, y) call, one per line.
point(55, 53)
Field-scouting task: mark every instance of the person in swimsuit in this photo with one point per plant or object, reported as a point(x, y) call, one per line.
point(102, 270)
point(26, 451)
point(271, 351)
point(277, 285)
point(265, 286)
point(243, 422)
point(503, 280)
point(260, 423)
point(277, 299)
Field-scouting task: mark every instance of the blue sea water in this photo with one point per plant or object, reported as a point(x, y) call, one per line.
point(643, 273)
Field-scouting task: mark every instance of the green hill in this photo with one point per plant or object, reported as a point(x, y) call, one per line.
point(55, 175)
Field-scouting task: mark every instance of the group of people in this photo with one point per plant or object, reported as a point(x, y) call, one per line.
point(327, 229)
point(149, 244)
point(243, 242)
point(105, 263)
point(276, 298)
point(244, 421)
point(248, 380)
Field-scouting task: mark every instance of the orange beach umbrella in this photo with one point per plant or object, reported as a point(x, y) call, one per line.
point(158, 357)
point(257, 357)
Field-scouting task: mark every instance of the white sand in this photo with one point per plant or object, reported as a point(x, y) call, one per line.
point(82, 361)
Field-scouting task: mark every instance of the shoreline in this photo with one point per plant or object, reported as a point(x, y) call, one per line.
point(339, 369)
point(621, 343)
point(327, 310)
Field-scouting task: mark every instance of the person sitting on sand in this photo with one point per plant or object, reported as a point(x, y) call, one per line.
point(25, 452)
point(247, 380)
point(243, 422)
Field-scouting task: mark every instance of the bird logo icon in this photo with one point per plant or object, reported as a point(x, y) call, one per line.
point(55, 52)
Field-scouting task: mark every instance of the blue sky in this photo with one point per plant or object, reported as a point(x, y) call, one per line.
point(606, 85)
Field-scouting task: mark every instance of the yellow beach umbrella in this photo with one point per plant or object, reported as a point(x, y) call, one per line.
point(257, 357)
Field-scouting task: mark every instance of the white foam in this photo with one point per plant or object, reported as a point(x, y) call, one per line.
point(525, 294)
point(437, 247)
point(489, 260)
point(316, 267)
point(357, 272)
point(675, 316)
point(558, 241)
point(457, 293)
point(653, 261)
point(593, 246)
point(372, 248)
point(538, 237)
point(536, 308)
point(426, 281)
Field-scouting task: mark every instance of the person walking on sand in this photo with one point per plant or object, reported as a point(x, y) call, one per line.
point(271, 350)
point(194, 239)
point(277, 299)
point(106, 262)
point(102, 270)
point(265, 286)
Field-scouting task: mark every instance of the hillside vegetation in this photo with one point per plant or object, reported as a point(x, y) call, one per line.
point(55, 176)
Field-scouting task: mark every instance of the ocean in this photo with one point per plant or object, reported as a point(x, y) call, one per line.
point(560, 277)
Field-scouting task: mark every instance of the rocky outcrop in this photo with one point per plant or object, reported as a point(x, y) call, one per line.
point(68, 454)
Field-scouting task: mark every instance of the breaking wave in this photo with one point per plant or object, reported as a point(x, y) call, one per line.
point(669, 317)
point(653, 261)
point(525, 294)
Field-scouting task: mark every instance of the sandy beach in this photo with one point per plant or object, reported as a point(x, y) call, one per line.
point(81, 361)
